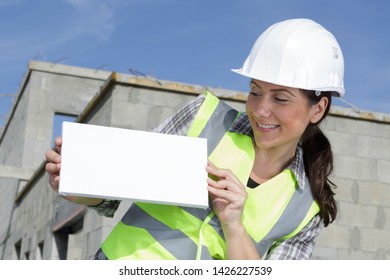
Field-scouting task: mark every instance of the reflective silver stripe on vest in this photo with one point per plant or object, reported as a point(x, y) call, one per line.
point(292, 216)
point(201, 214)
point(173, 240)
point(219, 123)
point(215, 129)
point(205, 254)
point(216, 224)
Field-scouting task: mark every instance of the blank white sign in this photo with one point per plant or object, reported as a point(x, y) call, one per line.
point(126, 164)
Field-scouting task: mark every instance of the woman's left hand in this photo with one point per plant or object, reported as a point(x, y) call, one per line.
point(227, 195)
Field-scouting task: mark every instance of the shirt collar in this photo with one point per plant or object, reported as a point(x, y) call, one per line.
point(242, 125)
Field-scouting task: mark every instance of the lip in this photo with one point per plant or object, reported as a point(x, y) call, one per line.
point(266, 127)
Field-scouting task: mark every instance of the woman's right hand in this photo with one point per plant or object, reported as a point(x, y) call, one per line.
point(53, 168)
point(53, 165)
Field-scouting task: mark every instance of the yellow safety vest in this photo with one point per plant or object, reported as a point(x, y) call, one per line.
point(275, 211)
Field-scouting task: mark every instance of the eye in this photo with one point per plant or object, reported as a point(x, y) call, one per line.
point(282, 100)
point(254, 93)
point(254, 90)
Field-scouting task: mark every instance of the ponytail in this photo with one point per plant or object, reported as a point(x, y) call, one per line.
point(318, 159)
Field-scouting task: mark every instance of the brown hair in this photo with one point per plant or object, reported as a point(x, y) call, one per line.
point(318, 158)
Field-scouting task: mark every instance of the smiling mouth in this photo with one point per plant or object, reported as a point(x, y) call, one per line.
point(267, 126)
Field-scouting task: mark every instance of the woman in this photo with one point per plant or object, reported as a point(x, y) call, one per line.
point(268, 168)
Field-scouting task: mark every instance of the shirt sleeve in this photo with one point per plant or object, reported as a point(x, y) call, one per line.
point(178, 124)
point(300, 246)
point(107, 208)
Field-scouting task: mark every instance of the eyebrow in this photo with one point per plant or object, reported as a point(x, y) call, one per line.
point(275, 89)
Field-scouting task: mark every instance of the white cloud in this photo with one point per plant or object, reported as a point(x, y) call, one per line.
point(46, 28)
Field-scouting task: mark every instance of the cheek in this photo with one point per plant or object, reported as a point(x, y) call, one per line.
point(248, 105)
point(297, 119)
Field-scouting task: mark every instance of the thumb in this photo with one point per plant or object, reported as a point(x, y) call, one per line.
point(210, 168)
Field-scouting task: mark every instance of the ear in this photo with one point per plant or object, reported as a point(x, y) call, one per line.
point(318, 110)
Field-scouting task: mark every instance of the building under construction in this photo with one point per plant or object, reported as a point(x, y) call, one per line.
point(38, 224)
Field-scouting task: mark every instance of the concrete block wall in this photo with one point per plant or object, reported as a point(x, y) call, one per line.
point(144, 109)
point(12, 142)
point(30, 221)
point(362, 159)
point(46, 89)
point(8, 189)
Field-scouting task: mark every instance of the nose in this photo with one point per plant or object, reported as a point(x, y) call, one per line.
point(262, 108)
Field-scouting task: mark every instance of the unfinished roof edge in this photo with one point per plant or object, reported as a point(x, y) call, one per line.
point(360, 114)
point(69, 70)
point(152, 82)
point(148, 81)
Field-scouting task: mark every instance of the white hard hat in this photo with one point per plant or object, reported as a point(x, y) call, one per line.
point(297, 53)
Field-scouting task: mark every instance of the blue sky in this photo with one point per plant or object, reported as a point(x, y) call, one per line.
point(189, 41)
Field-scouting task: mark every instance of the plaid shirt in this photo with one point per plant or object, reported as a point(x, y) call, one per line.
point(299, 246)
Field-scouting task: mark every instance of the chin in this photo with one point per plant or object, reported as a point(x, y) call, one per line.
point(265, 145)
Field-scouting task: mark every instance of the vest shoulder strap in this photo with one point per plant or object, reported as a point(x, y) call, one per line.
point(203, 115)
point(212, 121)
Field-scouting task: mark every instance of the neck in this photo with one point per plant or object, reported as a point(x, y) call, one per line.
point(270, 162)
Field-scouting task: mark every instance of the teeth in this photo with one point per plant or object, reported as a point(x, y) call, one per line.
point(268, 126)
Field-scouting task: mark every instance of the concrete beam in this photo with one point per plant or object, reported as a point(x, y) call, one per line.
point(16, 172)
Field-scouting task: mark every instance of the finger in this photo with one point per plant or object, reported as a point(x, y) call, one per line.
point(58, 144)
point(210, 166)
point(222, 174)
point(220, 184)
point(54, 182)
point(53, 156)
point(53, 168)
point(228, 195)
point(226, 185)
